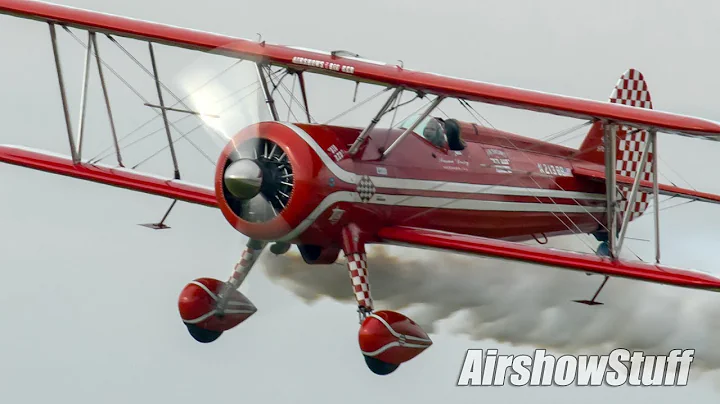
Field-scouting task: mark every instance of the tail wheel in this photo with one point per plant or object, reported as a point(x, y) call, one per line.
point(202, 335)
point(379, 367)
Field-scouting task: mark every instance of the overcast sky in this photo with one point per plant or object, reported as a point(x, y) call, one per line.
point(89, 298)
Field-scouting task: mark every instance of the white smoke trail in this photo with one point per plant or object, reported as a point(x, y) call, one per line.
point(521, 304)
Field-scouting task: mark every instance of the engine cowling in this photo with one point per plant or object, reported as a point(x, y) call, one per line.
point(265, 180)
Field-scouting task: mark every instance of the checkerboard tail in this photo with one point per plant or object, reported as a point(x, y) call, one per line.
point(632, 90)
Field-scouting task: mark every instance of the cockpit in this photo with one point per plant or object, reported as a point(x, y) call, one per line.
point(441, 133)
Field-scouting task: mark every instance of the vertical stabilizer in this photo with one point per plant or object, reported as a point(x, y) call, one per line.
point(632, 90)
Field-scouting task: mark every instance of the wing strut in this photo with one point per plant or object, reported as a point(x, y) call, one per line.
point(91, 48)
point(361, 138)
point(610, 186)
point(633, 194)
point(83, 95)
point(616, 236)
point(163, 110)
point(266, 92)
point(106, 95)
point(412, 127)
point(656, 195)
point(301, 80)
point(63, 95)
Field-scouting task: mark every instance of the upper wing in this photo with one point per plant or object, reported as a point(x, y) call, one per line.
point(118, 177)
point(544, 256)
point(357, 69)
point(647, 186)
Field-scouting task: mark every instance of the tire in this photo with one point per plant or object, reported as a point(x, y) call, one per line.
point(379, 367)
point(202, 335)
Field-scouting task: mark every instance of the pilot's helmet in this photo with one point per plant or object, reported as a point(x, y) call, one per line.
point(435, 133)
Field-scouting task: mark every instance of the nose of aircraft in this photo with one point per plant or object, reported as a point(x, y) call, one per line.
point(243, 178)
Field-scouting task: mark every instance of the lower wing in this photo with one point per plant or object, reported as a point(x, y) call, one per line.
point(118, 177)
point(416, 237)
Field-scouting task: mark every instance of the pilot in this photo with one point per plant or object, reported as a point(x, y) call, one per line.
point(452, 133)
point(434, 132)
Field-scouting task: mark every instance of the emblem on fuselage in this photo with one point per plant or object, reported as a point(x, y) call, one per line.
point(365, 188)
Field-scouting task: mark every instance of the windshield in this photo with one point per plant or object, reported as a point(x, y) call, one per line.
point(418, 129)
point(429, 128)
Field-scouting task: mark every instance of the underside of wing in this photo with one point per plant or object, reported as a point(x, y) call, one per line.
point(118, 177)
point(434, 239)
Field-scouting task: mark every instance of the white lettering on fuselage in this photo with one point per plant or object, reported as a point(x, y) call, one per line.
point(558, 171)
point(336, 153)
point(455, 164)
point(499, 160)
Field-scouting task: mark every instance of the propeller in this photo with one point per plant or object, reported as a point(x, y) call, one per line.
point(258, 176)
point(227, 99)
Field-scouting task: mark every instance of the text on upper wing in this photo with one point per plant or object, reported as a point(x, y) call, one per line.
point(336, 67)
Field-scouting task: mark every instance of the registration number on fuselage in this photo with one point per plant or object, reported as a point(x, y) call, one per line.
point(551, 169)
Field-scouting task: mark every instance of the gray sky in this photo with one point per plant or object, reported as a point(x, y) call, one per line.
point(89, 303)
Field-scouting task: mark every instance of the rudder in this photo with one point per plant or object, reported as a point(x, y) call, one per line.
point(632, 90)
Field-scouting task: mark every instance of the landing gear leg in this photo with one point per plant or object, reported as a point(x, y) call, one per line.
point(386, 338)
point(354, 250)
point(249, 256)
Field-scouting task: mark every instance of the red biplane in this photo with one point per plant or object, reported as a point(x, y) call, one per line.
point(432, 182)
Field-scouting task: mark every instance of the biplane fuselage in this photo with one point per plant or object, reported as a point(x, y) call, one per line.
point(499, 186)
